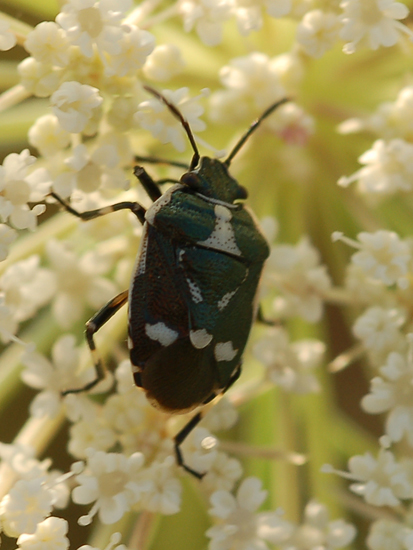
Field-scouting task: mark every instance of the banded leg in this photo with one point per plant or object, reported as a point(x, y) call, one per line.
point(134, 207)
point(92, 326)
point(149, 184)
point(195, 420)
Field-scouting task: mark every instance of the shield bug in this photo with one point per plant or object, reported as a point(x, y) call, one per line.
point(192, 297)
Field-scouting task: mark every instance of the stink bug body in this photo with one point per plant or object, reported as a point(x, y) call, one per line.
point(192, 294)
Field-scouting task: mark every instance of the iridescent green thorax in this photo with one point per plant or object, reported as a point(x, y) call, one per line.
point(213, 180)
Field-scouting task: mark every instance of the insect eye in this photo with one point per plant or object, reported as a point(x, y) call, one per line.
point(191, 180)
point(242, 192)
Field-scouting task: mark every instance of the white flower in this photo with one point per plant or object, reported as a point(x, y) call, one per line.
point(221, 416)
point(222, 473)
point(8, 324)
point(7, 236)
point(290, 365)
point(121, 113)
point(317, 532)
point(401, 113)
point(126, 411)
point(379, 329)
point(90, 432)
point(238, 526)
point(362, 288)
point(48, 136)
point(387, 534)
point(163, 63)
point(292, 124)
point(290, 68)
point(381, 481)
point(79, 282)
point(375, 22)
point(112, 482)
point(165, 492)
point(393, 392)
point(90, 171)
point(26, 287)
point(135, 46)
point(199, 449)
point(318, 32)
point(388, 170)
point(90, 22)
point(148, 437)
point(18, 188)
point(392, 119)
point(249, 13)
point(382, 255)
point(255, 76)
point(57, 484)
point(38, 79)
point(252, 83)
point(206, 16)
point(21, 459)
point(113, 544)
point(7, 37)
point(27, 503)
point(302, 282)
point(75, 105)
point(48, 44)
point(138, 425)
point(155, 117)
point(50, 534)
point(53, 377)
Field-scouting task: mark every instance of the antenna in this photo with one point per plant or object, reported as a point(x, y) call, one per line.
point(252, 129)
point(177, 114)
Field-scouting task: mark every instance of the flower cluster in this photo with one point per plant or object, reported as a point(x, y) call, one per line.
point(388, 167)
point(90, 76)
point(238, 526)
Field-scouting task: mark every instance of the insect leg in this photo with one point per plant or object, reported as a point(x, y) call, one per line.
point(262, 319)
point(134, 207)
point(187, 429)
point(151, 186)
point(92, 326)
point(180, 438)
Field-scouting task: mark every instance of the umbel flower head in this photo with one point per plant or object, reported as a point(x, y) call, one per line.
point(76, 116)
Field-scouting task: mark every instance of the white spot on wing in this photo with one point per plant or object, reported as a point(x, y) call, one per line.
point(200, 338)
point(222, 237)
point(160, 203)
point(224, 351)
point(130, 343)
point(161, 333)
point(195, 291)
point(224, 301)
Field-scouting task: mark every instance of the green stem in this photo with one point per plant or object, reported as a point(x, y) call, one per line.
point(44, 10)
